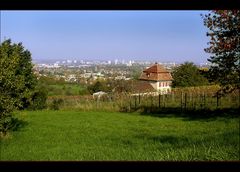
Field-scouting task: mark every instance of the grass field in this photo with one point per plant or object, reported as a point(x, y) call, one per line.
point(73, 135)
point(65, 89)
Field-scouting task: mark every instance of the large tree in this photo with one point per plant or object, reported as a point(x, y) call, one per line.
point(224, 33)
point(17, 81)
point(188, 75)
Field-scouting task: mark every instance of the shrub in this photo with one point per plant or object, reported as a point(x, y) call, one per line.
point(68, 92)
point(56, 103)
point(5, 124)
point(39, 98)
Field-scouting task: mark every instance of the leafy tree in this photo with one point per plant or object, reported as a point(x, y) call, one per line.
point(17, 81)
point(224, 30)
point(135, 72)
point(124, 86)
point(97, 86)
point(188, 75)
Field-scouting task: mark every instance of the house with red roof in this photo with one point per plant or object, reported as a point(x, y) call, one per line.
point(155, 79)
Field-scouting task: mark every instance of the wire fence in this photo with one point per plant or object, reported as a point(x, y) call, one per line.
point(183, 99)
point(186, 101)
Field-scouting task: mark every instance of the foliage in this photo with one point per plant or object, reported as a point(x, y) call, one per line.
point(17, 80)
point(188, 75)
point(56, 103)
point(224, 29)
point(121, 136)
point(123, 86)
point(96, 87)
point(56, 87)
point(50, 80)
point(136, 72)
point(116, 86)
point(39, 98)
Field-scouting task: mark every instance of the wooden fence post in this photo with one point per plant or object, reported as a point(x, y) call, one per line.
point(163, 100)
point(130, 103)
point(204, 100)
point(181, 100)
point(238, 98)
point(139, 98)
point(151, 101)
point(159, 100)
point(135, 102)
point(191, 100)
point(200, 100)
point(173, 97)
point(185, 102)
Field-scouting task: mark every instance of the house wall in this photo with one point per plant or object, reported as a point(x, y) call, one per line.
point(161, 86)
point(165, 86)
point(155, 84)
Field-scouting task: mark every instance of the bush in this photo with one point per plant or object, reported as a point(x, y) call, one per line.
point(39, 98)
point(56, 103)
point(5, 124)
point(83, 92)
point(68, 91)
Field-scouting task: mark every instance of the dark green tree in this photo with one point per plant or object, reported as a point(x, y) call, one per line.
point(17, 81)
point(224, 33)
point(188, 75)
point(97, 86)
point(39, 97)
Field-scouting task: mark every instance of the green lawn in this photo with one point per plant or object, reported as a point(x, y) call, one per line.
point(73, 135)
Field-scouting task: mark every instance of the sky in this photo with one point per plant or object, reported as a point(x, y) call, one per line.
point(165, 36)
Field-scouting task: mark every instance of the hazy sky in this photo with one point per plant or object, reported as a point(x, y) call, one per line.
point(141, 35)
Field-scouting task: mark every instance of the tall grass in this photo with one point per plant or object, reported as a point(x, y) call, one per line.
point(195, 98)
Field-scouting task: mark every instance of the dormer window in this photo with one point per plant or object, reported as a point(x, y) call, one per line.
point(148, 74)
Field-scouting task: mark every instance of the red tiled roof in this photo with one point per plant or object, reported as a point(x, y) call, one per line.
point(156, 73)
point(156, 68)
point(142, 87)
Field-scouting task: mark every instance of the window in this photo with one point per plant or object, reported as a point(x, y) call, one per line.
point(148, 74)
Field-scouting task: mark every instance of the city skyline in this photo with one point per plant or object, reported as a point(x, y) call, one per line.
point(108, 35)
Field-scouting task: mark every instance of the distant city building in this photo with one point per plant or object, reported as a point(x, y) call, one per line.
point(56, 65)
point(71, 78)
point(116, 61)
point(121, 77)
point(129, 63)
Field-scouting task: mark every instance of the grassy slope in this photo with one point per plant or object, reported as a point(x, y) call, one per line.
point(57, 89)
point(69, 135)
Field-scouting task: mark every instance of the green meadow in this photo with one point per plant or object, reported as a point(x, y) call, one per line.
point(65, 89)
point(78, 135)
